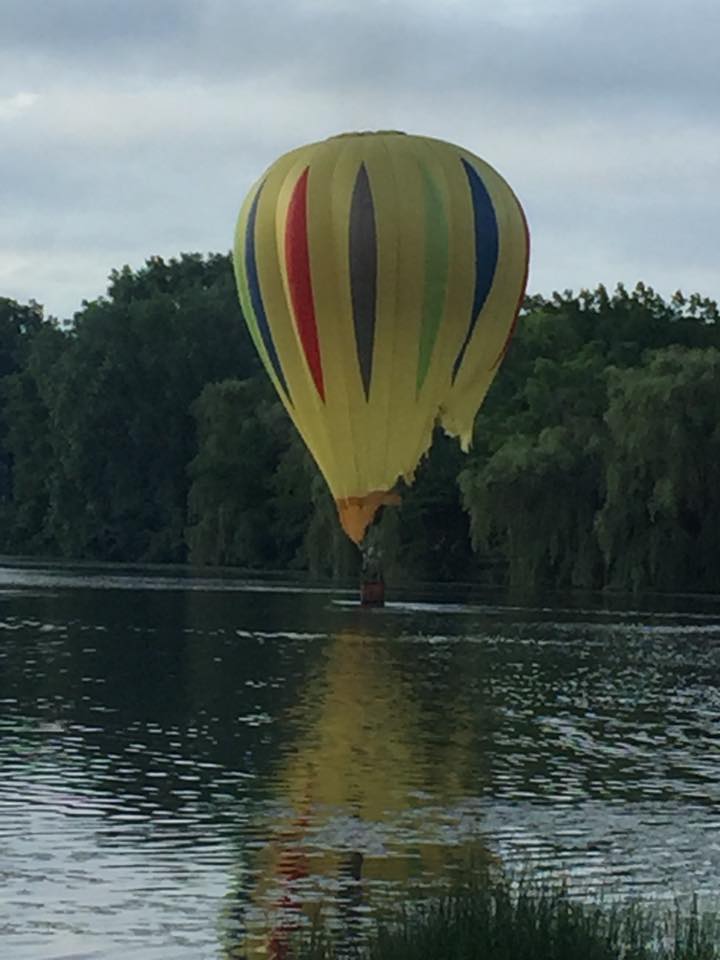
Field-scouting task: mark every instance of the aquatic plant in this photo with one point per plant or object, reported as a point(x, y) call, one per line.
point(498, 920)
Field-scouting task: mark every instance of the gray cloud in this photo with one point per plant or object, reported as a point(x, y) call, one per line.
point(134, 128)
point(650, 48)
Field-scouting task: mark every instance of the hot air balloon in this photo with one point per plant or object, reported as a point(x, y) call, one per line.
point(380, 275)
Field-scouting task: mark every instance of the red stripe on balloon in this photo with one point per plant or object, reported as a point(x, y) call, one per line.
point(297, 261)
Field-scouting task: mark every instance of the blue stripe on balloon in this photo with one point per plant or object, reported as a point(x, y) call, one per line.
point(486, 253)
point(256, 300)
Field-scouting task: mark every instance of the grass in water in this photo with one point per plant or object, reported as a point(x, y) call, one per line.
point(493, 920)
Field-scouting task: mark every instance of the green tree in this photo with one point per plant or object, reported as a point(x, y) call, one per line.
point(428, 536)
point(328, 551)
point(148, 428)
point(123, 432)
point(18, 324)
point(536, 478)
point(249, 497)
point(28, 398)
point(660, 522)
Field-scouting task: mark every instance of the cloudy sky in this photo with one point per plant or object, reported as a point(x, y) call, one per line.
point(130, 128)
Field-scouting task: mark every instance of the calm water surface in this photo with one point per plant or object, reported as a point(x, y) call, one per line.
point(190, 765)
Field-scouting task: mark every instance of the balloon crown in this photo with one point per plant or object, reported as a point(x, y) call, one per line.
point(369, 133)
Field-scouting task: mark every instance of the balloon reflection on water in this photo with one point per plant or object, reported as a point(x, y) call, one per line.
point(364, 805)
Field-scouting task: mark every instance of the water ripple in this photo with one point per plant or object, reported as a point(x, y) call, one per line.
point(189, 766)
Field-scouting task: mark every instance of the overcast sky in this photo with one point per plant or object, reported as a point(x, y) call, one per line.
point(130, 128)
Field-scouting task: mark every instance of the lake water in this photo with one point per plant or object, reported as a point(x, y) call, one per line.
point(189, 765)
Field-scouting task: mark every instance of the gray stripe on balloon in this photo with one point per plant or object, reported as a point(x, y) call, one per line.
point(363, 273)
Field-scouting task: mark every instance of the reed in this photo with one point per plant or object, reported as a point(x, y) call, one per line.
point(496, 920)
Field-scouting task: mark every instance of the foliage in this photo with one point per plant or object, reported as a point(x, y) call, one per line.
point(328, 551)
point(428, 536)
point(536, 481)
point(249, 499)
point(27, 398)
point(145, 430)
point(18, 325)
point(118, 405)
point(659, 523)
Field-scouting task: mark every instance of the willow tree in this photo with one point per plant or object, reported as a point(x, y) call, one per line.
point(534, 483)
point(536, 480)
point(660, 522)
point(249, 498)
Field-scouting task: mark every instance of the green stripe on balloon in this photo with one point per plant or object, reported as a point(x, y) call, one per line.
point(436, 273)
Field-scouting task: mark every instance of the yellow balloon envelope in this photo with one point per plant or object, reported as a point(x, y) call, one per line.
point(380, 275)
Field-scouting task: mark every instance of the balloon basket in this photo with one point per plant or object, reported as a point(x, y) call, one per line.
point(372, 593)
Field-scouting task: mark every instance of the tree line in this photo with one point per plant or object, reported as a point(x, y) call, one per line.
point(144, 430)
